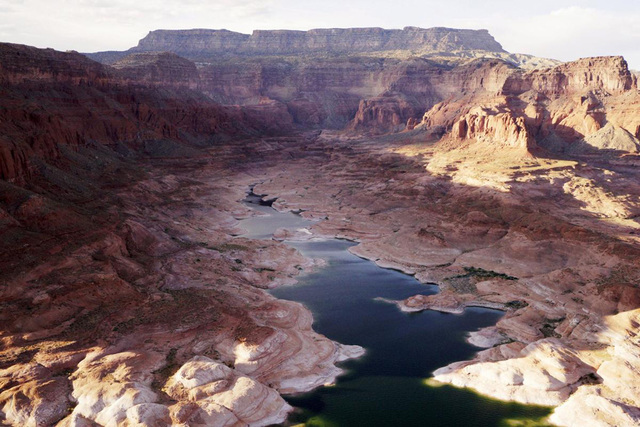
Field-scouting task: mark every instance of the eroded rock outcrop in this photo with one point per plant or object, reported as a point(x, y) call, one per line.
point(365, 77)
point(574, 108)
point(498, 130)
point(222, 397)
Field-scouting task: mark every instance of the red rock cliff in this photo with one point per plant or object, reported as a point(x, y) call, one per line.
point(52, 98)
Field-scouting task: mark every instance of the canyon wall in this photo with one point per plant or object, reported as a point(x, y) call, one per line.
point(51, 99)
point(126, 298)
point(327, 78)
point(563, 107)
point(573, 108)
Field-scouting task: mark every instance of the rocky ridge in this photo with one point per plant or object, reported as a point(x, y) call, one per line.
point(46, 107)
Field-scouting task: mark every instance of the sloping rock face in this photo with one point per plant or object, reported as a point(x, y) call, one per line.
point(20, 63)
point(163, 68)
point(606, 74)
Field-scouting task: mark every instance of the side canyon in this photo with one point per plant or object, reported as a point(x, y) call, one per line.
point(129, 297)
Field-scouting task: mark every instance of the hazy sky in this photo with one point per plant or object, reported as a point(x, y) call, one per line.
point(560, 29)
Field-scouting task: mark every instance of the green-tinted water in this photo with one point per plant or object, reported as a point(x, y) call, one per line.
point(389, 385)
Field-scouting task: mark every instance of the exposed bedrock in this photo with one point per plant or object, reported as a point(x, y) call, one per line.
point(326, 77)
point(548, 242)
point(127, 297)
point(54, 101)
point(574, 108)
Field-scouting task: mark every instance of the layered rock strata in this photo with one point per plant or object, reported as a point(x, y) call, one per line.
point(203, 44)
point(54, 100)
point(575, 108)
point(374, 79)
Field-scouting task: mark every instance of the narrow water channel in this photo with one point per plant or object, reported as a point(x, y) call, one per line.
point(388, 386)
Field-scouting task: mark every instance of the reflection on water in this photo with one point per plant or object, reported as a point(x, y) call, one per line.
point(387, 386)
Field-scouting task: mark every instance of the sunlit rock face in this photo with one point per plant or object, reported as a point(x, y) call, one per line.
point(574, 108)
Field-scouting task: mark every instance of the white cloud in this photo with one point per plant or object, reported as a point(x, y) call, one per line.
point(574, 32)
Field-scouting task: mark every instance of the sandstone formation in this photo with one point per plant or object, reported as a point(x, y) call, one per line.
point(164, 68)
point(128, 299)
point(574, 108)
point(105, 108)
point(373, 79)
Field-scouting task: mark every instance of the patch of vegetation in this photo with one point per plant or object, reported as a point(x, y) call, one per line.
point(86, 323)
point(226, 247)
point(549, 331)
point(516, 304)
point(25, 356)
point(549, 327)
point(462, 284)
point(481, 273)
point(127, 326)
point(591, 378)
point(162, 375)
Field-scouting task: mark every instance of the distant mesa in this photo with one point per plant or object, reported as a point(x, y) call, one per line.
point(204, 44)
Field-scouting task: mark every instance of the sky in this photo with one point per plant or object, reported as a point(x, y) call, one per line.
point(559, 29)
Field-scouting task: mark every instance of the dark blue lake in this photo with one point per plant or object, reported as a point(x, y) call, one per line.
point(388, 386)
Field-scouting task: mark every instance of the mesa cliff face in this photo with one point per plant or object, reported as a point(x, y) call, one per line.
point(563, 108)
point(202, 44)
point(608, 75)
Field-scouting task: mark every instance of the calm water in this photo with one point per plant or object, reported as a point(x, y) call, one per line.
point(386, 387)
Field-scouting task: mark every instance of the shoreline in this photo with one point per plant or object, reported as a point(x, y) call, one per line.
point(171, 282)
point(523, 334)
